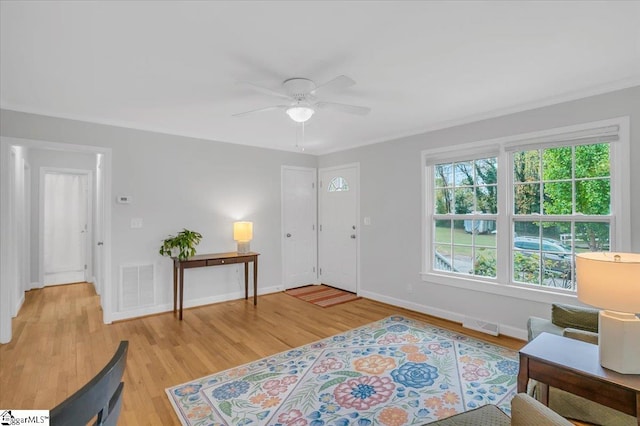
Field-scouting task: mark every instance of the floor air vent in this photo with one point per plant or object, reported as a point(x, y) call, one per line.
point(137, 286)
point(480, 325)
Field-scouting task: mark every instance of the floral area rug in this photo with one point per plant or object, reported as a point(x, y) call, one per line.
point(392, 372)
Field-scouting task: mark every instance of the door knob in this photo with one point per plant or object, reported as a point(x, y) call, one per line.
point(353, 236)
point(288, 235)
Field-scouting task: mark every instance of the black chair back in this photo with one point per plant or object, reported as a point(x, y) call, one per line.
point(100, 398)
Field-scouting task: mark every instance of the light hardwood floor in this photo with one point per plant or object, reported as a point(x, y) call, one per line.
point(59, 343)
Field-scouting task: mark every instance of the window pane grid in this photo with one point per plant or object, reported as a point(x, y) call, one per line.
point(544, 180)
point(544, 250)
point(559, 205)
point(466, 187)
point(464, 239)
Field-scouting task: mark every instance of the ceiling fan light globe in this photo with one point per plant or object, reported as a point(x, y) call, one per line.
point(300, 114)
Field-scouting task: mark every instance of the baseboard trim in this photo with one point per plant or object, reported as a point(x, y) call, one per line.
point(192, 303)
point(19, 305)
point(506, 330)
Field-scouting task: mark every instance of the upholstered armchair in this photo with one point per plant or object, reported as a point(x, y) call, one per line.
point(580, 323)
point(525, 411)
point(571, 321)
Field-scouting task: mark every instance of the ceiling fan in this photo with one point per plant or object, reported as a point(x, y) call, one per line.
point(302, 97)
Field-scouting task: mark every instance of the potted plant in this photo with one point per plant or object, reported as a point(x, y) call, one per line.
point(183, 245)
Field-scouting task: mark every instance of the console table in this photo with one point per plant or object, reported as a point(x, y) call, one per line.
point(574, 366)
point(213, 259)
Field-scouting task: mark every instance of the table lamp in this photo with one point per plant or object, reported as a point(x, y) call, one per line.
point(611, 281)
point(243, 234)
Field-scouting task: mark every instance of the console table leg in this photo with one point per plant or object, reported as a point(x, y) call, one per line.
point(175, 289)
point(255, 281)
point(181, 290)
point(246, 280)
point(523, 374)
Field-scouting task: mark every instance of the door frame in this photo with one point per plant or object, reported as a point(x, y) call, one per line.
point(27, 229)
point(321, 187)
point(8, 257)
point(88, 249)
point(282, 224)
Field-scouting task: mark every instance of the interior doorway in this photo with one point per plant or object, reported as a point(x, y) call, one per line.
point(66, 225)
point(13, 254)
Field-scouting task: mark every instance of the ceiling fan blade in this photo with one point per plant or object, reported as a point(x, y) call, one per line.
point(269, 108)
point(338, 83)
point(352, 109)
point(265, 90)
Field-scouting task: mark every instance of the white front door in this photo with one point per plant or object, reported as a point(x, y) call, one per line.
point(299, 226)
point(65, 227)
point(339, 226)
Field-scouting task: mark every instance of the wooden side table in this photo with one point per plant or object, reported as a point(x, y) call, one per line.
point(574, 366)
point(213, 259)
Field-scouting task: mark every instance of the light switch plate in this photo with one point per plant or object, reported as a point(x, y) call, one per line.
point(136, 223)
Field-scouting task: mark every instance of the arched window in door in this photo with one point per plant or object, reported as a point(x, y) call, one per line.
point(338, 184)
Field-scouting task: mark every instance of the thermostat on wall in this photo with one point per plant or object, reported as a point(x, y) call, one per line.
point(124, 199)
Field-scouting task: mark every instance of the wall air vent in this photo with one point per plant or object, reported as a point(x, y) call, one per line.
point(137, 286)
point(480, 325)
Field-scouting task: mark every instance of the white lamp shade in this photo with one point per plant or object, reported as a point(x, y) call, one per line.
point(609, 281)
point(243, 231)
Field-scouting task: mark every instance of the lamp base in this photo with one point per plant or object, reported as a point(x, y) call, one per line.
point(243, 247)
point(619, 342)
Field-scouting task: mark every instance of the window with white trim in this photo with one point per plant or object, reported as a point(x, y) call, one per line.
point(516, 211)
point(465, 207)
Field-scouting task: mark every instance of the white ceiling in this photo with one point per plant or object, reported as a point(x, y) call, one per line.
point(173, 67)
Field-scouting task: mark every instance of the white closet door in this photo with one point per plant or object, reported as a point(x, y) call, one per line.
point(299, 244)
point(65, 227)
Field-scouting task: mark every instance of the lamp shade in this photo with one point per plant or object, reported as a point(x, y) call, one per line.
point(243, 231)
point(609, 281)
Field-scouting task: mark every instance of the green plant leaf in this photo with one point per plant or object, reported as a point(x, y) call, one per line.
point(225, 407)
point(259, 376)
point(379, 333)
point(330, 383)
point(348, 373)
point(263, 415)
point(184, 243)
point(498, 380)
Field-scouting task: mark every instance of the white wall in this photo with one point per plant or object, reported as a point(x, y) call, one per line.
point(391, 194)
point(178, 182)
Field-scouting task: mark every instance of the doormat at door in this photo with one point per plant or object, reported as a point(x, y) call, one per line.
point(322, 295)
